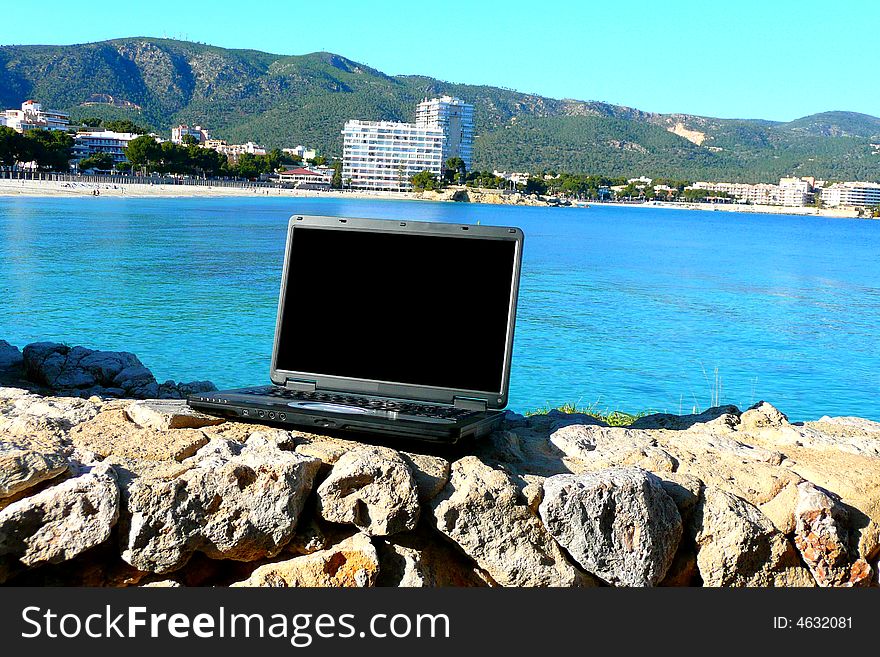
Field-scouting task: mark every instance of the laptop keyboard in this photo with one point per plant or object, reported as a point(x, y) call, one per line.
point(400, 407)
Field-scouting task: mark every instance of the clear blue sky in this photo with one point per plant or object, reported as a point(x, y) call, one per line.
point(767, 59)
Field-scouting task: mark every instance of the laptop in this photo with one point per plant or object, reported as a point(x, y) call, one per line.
point(388, 327)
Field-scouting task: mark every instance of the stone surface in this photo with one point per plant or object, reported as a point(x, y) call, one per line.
point(480, 509)
point(164, 414)
point(738, 546)
point(618, 524)
point(113, 433)
point(352, 562)
point(420, 560)
point(21, 469)
point(822, 538)
point(430, 473)
point(373, 489)
point(31, 421)
point(235, 502)
point(62, 521)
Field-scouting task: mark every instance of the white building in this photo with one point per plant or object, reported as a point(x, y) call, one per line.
point(32, 116)
point(456, 118)
point(386, 154)
point(306, 178)
point(853, 194)
point(233, 151)
point(301, 151)
point(516, 177)
point(197, 132)
point(794, 192)
point(92, 142)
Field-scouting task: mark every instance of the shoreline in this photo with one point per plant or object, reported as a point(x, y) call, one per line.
point(58, 189)
point(798, 211)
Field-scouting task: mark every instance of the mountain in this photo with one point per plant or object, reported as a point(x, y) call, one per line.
point(280, 100)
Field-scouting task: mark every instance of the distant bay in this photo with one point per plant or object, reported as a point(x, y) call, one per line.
point(625, 308)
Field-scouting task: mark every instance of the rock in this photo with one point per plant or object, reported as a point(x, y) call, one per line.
point(822, 538)
point(161, 584)
point(169, 414)
point(481, 510)
point(112, 433)
point(11, 362)
point(618, 524)
point(62, 521)
point(721, 417)
point(429, 472)
point(761, 416)
point(353, 562)
point(373, 489)
point(77, 370)
point(39, 423)
point(21, 469)
point(738, 546)
point(236, 502)
point(419, 560)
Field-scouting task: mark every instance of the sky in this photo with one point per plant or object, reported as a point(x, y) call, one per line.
point(767, 59)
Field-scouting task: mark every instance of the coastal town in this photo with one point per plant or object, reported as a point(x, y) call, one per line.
point(430, 156)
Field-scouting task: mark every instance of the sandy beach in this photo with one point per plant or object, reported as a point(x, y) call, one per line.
point(59, 188)
point(53, 188)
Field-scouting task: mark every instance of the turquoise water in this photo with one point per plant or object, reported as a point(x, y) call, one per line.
point(629, 308)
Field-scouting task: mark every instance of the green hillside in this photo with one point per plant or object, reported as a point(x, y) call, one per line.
point(282, 100)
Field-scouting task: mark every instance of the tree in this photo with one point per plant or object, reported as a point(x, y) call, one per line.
point(424, 180)
point(91, 122)
point(10, 146)
point(319, 160)
point(100, 161)
point(189, 140)
point(143, 152)
point(247, 166)
point(455, 170)
point(535, 185)
point(125, 125)
point(336, 182)
point(49, 149)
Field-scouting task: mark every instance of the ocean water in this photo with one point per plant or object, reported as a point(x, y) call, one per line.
point(621, 308)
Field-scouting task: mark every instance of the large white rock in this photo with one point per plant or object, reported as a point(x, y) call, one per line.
point(618, 524)
point(373, 489)
point(737, 545)
point(21, 469)
point(482, 511)
point(62, 521)
point(235, 503)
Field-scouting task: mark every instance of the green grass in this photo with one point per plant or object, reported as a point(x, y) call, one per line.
point(612, 418)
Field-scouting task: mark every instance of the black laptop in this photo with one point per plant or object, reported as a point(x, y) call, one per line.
point(399, 328)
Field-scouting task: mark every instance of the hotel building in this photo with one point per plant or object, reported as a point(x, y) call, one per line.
point(91, 142)
point(197, 132)
point(32, 116)
point(456, 118)
point(233, 151)
point(853, 194)
point(384, 155)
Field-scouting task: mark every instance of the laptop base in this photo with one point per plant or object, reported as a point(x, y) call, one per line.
point(244, 406)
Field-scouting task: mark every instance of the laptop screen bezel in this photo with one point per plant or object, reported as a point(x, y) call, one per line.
point(494, 399)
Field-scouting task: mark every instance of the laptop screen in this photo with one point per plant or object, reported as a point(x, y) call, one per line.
point(396, 307)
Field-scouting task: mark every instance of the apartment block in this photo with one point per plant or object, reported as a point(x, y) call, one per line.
point(32, 116)
point(197, 132)
point(92, 142)
point(852, 194)
point(456, 118)
point(384, 155)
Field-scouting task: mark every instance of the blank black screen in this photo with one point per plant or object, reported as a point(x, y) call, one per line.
point(413, 309)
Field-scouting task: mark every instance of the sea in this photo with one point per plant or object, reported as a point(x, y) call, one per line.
point(621, 308)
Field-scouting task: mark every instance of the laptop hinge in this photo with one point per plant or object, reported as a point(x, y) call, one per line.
point(469, 403)
point(300, 385)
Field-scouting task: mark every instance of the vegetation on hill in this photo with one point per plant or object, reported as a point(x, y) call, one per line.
point(282, 101)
